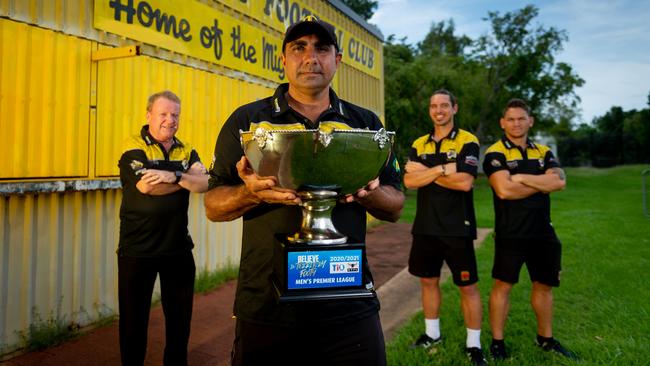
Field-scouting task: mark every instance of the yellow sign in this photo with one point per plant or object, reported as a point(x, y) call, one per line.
point(279, 14)
point(198, 30)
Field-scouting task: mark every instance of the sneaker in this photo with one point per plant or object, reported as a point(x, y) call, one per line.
point(475, 356)
point(554, 346)
point(425, 341)
point(498, 351)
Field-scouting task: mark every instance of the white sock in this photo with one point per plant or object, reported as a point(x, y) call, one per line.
point(432, 327)
point(473, 338)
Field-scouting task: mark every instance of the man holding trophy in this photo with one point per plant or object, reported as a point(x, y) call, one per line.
point(341, 331)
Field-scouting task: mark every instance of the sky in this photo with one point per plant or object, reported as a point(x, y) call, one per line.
point(608, 46)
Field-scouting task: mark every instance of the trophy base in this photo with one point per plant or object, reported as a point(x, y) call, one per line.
point(322, 295)
point(312, 272)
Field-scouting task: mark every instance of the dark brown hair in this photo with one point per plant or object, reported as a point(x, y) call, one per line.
point(443, 91)
point(517, 103)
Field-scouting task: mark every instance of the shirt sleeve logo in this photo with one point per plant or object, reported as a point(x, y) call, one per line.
point(495, 163)
point(471, 160)
point(137, 166)
point(451, 155)
point(396, 166)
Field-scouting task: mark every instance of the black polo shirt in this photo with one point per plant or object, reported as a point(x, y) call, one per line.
point(442, 211)
point(152, 226)
point(529, 217)
point(255, 299)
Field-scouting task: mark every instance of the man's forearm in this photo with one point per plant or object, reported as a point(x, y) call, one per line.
point(226, 203)
point(159, 189)
point(507, 189)
point(544, 183)
point(385, 203)
point(456, 181)
point(422, 178)
point(196, 183)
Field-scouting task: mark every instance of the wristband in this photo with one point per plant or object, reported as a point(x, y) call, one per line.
point(179, 175)
point(444, 171)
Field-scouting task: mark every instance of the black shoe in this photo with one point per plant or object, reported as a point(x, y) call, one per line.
point(425, 341)
point(554, 346)
point(475, 356)
point(498, 351)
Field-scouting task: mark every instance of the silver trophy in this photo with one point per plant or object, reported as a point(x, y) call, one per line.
point(321, 166)
point(317, 262)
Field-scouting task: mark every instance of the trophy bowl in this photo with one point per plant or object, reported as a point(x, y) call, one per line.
point(320, 166)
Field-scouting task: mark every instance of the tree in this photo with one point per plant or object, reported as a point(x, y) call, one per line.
point(515, 59)
point(441, 41)
point(365, 8)
point(412, 74)
point(520, 62)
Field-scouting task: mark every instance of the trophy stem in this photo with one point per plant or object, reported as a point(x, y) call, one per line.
point(317, 227)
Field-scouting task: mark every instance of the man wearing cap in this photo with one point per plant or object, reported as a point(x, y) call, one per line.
point(337, 332)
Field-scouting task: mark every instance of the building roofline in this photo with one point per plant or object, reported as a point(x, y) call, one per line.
point(373, 29)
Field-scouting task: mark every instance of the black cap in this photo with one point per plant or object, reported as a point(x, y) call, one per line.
point(311, 25)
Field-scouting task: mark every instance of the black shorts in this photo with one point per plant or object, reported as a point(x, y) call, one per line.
point(428, 252)
point(351, 343)
point(541, 256)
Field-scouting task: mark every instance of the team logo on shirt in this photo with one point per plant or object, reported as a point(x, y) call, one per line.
point(137, 166)
point(471, 160)
point(512, 164)
point(451, 154)
point(495, 163)
point(541, 163)
point(396, 166)
point(185, 164)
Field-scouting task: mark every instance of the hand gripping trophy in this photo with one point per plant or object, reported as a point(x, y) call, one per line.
point(317, 262)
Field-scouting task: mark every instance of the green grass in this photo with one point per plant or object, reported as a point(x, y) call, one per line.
point(207, 281)
point(602, 307)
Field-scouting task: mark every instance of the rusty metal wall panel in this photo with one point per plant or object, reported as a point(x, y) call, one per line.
point(44, 92)
point(57, 256)
point(57, 259)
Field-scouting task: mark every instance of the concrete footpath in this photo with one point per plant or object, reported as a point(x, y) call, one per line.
point(212, 332)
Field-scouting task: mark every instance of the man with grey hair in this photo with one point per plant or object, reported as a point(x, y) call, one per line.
point(158, 171)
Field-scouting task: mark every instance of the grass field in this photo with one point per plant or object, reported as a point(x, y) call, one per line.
point(602, 309)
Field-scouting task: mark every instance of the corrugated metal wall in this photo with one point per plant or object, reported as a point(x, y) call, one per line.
point(43, 102)
point(57, 257)
point(207, 99)
point(64, 117)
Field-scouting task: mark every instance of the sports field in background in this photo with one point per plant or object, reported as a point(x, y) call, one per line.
point(602, 308)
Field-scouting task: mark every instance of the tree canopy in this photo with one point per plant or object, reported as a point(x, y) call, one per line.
point(365, 8)
point(517, 58)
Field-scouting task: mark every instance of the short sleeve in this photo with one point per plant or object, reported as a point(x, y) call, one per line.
point(493, 162)
point(227, 152)
point(194, 157)
point(132, 164)
point(550, 161)
point(392, 175)
point(467, 161)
